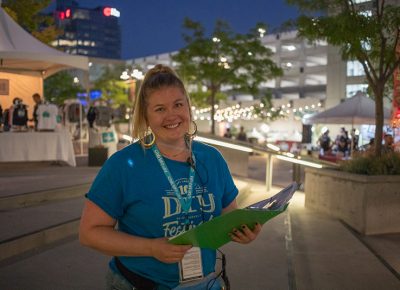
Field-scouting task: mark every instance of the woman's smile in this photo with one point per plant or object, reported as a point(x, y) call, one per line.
point(168, 115)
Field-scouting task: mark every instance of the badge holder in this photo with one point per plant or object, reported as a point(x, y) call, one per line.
point(191, 268)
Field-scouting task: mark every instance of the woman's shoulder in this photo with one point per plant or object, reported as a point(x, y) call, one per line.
point(201, 146)
point(129, 151)
point(204, 149)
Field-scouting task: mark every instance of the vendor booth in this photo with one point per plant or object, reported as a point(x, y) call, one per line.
point(24, 63)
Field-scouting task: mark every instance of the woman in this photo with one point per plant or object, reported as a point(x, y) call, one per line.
point(156, 188)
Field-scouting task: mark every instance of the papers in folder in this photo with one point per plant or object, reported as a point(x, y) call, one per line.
point(215, 233)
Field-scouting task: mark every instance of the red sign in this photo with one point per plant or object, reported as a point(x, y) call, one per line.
point(108, 11)
point(396, 95)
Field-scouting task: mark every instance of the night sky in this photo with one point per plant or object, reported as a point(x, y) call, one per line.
point(155, 26)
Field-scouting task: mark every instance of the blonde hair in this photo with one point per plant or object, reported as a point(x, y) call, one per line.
point(158, 77)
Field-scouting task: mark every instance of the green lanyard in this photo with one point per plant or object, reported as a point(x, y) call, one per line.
point(185, 201)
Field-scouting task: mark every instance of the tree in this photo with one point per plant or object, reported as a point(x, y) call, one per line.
point(27, 14)
point(266, 111)
point(238, 61)
point(370, 37)
point(60, 87)
point(114, 90)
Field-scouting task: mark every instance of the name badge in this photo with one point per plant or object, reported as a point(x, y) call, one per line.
point(190, 268)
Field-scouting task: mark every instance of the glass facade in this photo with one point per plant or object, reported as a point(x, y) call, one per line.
point(90, 32)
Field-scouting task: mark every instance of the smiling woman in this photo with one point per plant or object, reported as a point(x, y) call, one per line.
point(170, 184)
point(167, 112)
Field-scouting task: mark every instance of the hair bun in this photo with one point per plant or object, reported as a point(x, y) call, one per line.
point(159, 68)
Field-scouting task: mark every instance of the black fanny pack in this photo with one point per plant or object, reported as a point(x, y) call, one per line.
point(139, 282)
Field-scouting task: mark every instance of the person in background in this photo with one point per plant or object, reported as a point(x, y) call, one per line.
point(38, 100)
point(325, 142)
point(370, 146)
point(355, 137)
point(156, 188)
point(242, 134)
point(228, 133)
point(388, 146)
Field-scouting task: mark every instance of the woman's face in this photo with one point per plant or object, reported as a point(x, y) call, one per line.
point(168, 115)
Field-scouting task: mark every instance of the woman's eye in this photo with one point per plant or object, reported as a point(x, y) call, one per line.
point(159, 109)
point(179, 104)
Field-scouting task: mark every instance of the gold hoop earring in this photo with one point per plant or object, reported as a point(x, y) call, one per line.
point(192, 135)
point(153, 139)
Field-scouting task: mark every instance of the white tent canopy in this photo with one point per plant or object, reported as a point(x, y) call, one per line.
point(22, 53)
point(357, 110)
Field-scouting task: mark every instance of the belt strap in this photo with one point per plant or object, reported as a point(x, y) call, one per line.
point(139, 282)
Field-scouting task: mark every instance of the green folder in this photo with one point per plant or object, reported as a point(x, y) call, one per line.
point(215, 233)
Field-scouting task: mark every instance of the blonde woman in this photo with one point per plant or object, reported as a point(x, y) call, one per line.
point(155, 188)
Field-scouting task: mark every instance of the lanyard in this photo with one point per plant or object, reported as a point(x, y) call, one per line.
point(186, 201)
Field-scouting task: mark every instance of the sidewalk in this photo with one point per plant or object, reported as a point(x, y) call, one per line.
point(299, 249)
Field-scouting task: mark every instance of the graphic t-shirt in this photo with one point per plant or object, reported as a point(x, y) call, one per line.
point(132, 188)
point(47, 116)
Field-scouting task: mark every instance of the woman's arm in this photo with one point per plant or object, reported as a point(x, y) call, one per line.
point(243, 235)
point(97, 230)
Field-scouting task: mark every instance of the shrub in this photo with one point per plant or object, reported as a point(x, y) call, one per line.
point(387, 164)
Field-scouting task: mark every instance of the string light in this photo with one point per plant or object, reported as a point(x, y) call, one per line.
point(236, 112)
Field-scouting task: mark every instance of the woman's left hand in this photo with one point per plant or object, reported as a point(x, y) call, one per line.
point(244, 235)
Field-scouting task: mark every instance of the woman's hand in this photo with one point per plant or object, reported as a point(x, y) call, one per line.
point(244, 235)
point(166, 252)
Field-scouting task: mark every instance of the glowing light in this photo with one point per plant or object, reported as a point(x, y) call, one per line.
point(108, 11)
point(223, 144)
point(127, 138)
point(299, 161)
point(273, 147)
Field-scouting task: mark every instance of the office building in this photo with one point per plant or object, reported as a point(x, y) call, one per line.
point(91, 32)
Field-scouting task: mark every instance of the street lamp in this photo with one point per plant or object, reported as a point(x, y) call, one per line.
point(133, 79)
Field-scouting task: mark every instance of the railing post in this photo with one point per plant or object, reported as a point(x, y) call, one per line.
point(268, 172)
point(296, 176)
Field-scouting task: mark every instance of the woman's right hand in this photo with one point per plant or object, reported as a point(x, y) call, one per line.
point(166, 252)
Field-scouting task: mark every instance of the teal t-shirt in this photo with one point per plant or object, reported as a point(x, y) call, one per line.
point(132, 188)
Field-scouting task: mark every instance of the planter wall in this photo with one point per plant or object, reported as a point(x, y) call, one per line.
point(369, 204)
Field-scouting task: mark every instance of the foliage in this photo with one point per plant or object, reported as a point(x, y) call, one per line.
point(114, 90)
point(60, 87)
point(264, 111)
point(386, 164)
point(201, 99)
point(369, 38)
point(27, 14)
point(226, 58)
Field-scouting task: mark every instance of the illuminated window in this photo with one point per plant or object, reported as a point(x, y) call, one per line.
point(354, 68)
point(288, 47)
point(351, 90)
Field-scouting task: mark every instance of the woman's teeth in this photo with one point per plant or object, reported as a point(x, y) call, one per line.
point(172, 126)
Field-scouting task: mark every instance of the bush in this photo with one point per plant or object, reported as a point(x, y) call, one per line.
point(387, 164)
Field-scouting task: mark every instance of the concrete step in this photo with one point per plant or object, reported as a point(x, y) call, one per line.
point(39, 197)
point(24, 229)
point(64, 265)
point(326, 254)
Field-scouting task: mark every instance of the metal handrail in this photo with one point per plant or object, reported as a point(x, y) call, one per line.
point(267, 152)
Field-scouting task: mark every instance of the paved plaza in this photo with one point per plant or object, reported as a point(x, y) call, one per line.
point(300, 249)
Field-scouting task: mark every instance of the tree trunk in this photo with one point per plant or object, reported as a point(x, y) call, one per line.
point(213, 93)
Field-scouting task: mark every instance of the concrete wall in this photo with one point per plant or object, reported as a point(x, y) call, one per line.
point(238, 161)
point(369, 204)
